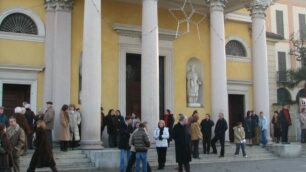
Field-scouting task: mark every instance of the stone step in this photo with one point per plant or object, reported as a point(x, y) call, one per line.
point(73, 160)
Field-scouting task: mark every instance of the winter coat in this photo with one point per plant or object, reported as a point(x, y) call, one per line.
point(23, 123)
point(163, 141)
point(303, 121)
point(4, 158)
point(170, 122)
point(221, 127)
point(282, 118)
point(74, 122)
point(17, 140)
point(141, 140)
point(42, 156)
point(30, 116)
point(276, 126)
point(206, 126)
point(64, 127)
point(248, 127)
point(124, 136)
point(181, 137)
point(195, 131)
point(49, 118)
point(112, 123)
point(254, 124)
point(4, 119)
point(239, 134)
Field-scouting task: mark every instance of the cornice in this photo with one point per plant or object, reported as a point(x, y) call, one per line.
point(58, 5)
point(135, 31)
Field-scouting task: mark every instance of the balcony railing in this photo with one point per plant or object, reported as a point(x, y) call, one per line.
point(282, 76)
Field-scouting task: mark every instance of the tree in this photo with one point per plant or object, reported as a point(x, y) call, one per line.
point(296, 76)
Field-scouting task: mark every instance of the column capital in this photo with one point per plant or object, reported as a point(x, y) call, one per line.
point(216, 5)
point(258, 8)
point(58, 5)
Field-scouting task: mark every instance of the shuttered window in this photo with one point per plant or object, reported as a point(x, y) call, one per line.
point(282, 67)
point(280, 22)
point(302, 26)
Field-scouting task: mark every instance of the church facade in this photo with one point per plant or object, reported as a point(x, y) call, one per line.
point(138, 56)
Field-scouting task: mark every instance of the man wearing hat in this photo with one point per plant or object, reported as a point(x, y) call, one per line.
point(49, 120)
point(3, 117)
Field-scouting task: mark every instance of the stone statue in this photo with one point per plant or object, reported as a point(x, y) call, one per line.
point(193, 85)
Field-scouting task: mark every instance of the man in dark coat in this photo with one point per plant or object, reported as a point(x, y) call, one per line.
point(285, 121)
point(255, 128)
point(124, 136)
point(220, 130)
point(30, 116)
point(206, 125)
point(182, 140)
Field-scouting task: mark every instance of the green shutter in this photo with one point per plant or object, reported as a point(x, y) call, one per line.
point(280, 23)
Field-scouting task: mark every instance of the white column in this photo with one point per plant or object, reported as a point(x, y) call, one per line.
point(61, 59)
point(150, 64)
point(91, 74)
point(49, 42)
point(260, 58)
point(219, 96)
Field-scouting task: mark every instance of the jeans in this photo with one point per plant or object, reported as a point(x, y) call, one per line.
point(195, 146)
point(123, 155)
point(141, 156)
point(131, 162)
point(213, 143)
point(263, 137)
point(242, 145)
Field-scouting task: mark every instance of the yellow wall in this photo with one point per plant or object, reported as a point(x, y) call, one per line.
point(184, 48)
point(24, 52)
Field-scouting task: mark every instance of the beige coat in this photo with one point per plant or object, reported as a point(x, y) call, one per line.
point(239, 134)
point(17, 139)
point(64, 126)
point(74, 122)
point(195, 131)
point(49, 118)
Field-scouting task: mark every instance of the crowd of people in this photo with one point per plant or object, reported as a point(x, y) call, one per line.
point(23, 131)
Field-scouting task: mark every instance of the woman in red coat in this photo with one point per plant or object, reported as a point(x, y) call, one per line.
point(43, 156)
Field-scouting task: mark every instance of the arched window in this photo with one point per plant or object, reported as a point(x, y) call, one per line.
point(300, 94)
point(283, 96)
point(18, 23)
point(235, 48)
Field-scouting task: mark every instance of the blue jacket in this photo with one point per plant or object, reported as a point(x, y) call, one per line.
point(3, 119)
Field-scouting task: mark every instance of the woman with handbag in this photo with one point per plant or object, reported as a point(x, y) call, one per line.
point(5, 150)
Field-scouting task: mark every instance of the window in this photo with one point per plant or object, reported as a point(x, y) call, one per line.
point(282, 67)
point(18, 23)
point(302, 26)
point(283, 96)
point(280, 22)
point(300, 94)
point(235, 48)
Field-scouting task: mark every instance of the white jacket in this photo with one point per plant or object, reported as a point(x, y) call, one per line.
point(165, 136)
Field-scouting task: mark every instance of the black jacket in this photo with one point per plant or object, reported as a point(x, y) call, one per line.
point(124, 136)
point(182, 140)
point(30, 116)
point(221, 127)
point(206, 126)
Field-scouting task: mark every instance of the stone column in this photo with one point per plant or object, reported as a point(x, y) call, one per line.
point(49, 42)
point(61, 58)
point(91, 75)
point(219, 96)
point(150, 65)
point(259, 57)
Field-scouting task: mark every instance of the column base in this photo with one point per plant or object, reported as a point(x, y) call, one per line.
point(91, 145)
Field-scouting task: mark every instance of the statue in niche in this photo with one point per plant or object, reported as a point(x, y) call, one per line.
point(193, 85)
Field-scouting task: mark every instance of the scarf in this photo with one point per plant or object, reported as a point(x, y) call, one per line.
point(161, 131)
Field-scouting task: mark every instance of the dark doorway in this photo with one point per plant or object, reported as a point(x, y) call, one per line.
point(133, 84)
point(14, 95)
point(236, 112)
